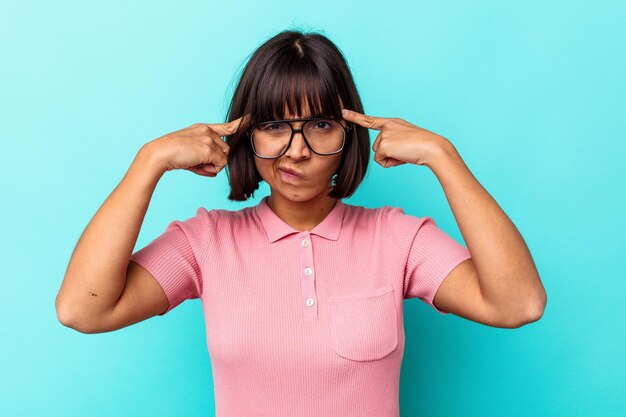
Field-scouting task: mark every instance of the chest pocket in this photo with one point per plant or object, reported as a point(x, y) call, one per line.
point(364, 325)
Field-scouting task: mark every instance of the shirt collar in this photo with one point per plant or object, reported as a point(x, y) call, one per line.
point(276, 228)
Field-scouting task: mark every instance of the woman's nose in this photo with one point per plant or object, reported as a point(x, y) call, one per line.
point(298, 147)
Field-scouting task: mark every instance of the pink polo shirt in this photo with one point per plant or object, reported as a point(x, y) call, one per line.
point(303, 323)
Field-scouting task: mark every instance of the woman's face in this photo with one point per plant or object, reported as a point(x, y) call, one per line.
point(315, 171)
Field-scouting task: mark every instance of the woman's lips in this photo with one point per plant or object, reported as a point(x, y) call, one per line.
point(287, 176)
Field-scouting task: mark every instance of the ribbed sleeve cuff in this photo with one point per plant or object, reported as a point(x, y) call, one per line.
point(167, 259)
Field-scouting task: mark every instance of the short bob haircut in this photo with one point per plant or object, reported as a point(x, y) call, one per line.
point(295, 69)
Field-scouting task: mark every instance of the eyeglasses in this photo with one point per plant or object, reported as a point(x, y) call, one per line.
point(324, 136)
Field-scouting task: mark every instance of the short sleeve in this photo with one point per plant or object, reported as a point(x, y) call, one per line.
point(430, 253)
point(174, 257)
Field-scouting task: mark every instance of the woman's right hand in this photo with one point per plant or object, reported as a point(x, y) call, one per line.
point(198, 148)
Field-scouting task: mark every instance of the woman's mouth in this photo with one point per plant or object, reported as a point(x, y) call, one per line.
point(288, 177)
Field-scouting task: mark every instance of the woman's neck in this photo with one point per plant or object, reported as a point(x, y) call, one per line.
point(301, 215)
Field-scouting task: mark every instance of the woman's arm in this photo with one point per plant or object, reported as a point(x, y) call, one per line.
point(102, 290)
point(96, 273)
point(507, 276)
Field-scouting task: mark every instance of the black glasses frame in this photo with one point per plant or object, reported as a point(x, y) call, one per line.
point(346, 129)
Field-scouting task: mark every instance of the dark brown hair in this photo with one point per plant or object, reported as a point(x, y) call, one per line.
point(293, 68)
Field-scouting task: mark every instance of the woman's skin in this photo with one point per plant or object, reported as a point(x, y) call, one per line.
point(499, 285)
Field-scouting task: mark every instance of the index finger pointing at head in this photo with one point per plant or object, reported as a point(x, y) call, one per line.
point(364, 120)
point(228, 128)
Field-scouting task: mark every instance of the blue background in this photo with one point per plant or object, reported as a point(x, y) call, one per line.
point(531, 94)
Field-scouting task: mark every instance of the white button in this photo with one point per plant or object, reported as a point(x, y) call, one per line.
point(308, 271)
point(305, 242)
point(310, 302)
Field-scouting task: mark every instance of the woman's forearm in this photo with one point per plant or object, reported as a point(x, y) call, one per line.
point(96, 273)
point(507, 274)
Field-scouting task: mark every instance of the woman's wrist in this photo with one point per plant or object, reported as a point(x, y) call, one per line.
point(147, 165)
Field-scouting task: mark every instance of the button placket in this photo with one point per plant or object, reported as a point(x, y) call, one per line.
point(308, 297)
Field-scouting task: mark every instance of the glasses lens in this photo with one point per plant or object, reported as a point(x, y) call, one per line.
point(324, 136)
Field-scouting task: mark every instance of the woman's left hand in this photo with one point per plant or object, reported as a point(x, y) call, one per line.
point(399, 141)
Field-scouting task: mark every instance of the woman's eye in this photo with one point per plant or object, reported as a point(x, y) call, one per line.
point(323, 124)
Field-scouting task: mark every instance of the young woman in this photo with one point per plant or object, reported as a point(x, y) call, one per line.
point(302, 294)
